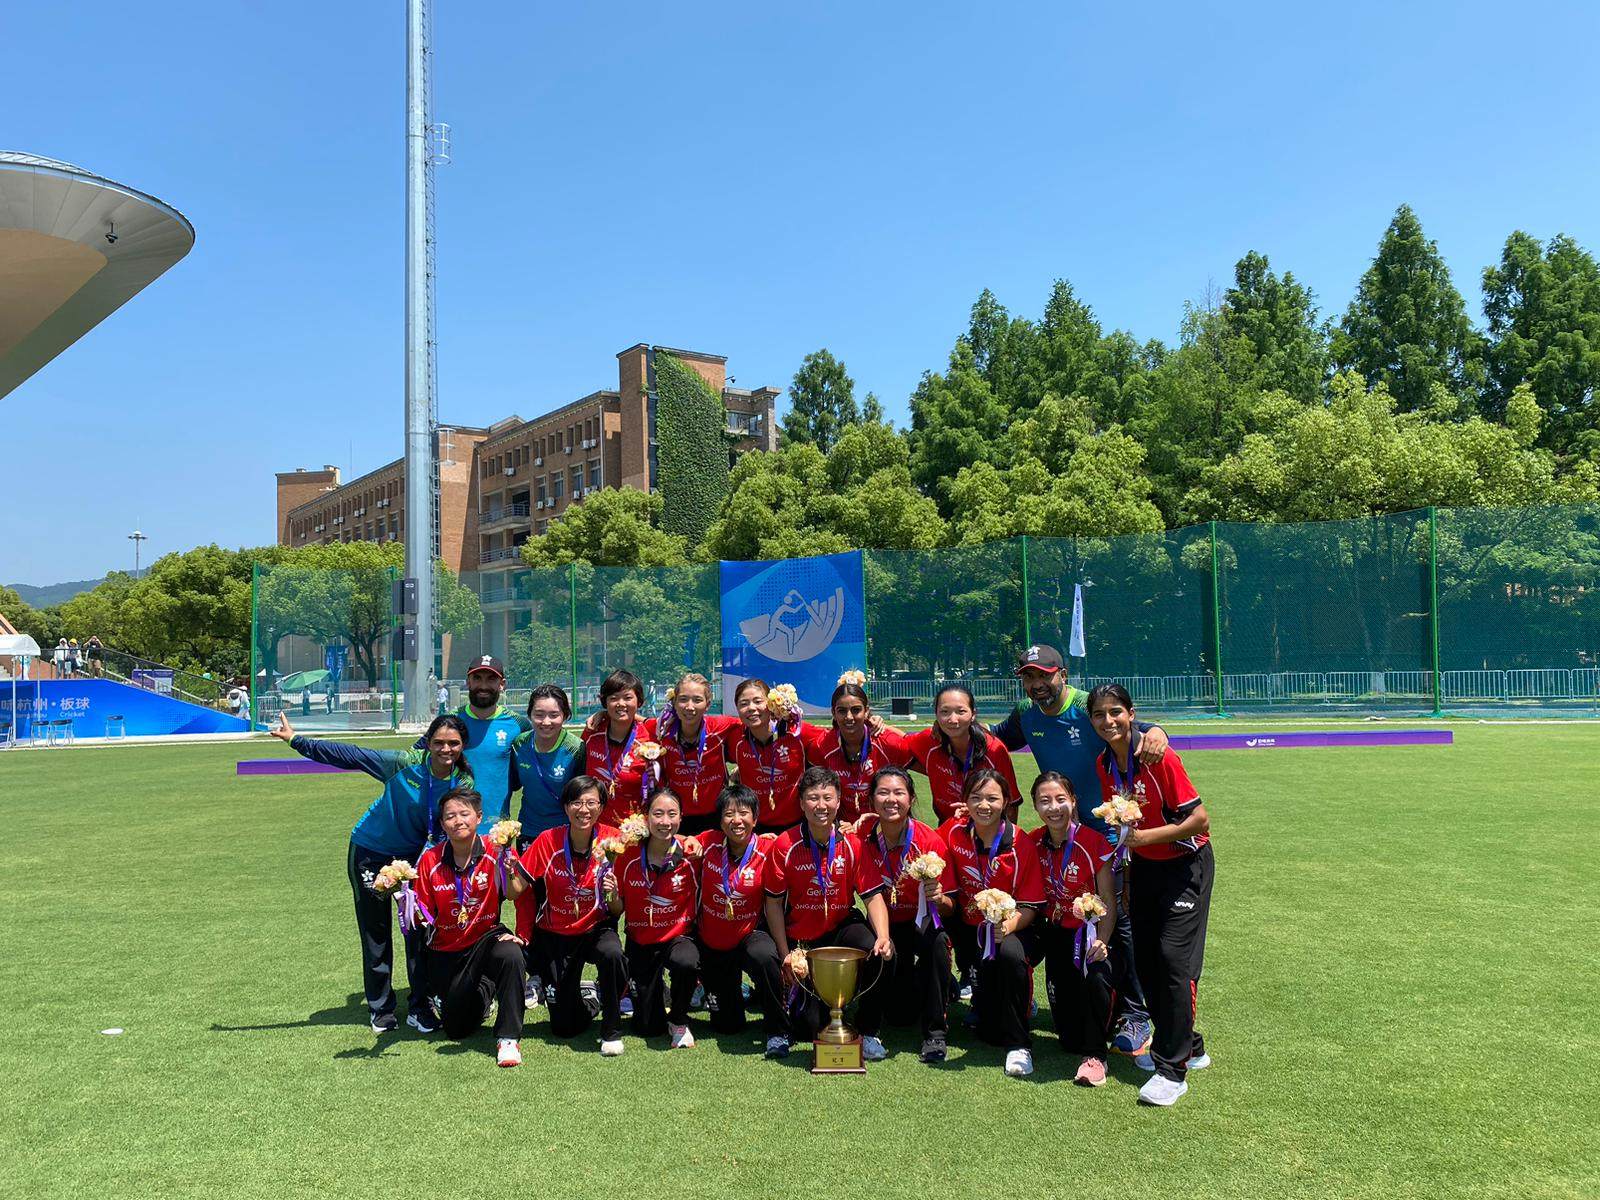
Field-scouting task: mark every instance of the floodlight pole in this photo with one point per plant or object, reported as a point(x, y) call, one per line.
point(419, 445)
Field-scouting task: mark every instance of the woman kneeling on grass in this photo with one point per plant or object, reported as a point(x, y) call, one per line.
point(397, 825)
point(994, 861)
point(655, 888)
point(733, 942)
point(1169, 886)
point(565, 867)
point(814, 873)
point(1077, 876)
point(916, 979)
point(472, 960)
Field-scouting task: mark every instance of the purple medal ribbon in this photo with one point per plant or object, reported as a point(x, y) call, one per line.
point(1123, 785)
point(990, 941)
point(413, 914)
point(727, 886)
point(612, 763)
point(823, 878)
point(566, 852)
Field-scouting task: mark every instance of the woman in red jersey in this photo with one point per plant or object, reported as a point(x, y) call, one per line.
point(472, 959)
point(955, 746)
point(814, 873)
point(769, 756)
point(1170, 872)
point(855, 746)
point(915, 989)
point(655, 889)
point(990, 853)
point(566, 868)
point(610, 741)
point(1076, 863)
point(694, 761)
point(733, 942)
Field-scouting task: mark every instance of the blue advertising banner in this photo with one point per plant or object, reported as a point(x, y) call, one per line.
point(801, 621)
point(94, 706)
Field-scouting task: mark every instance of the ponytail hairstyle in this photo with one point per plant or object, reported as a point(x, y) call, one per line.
point(977, 731)
point(668, 726)
point(1110, 691)
point(451, 721)
point(851, 689)
point(780, 725)
point(1054, 777)
point(984, 775)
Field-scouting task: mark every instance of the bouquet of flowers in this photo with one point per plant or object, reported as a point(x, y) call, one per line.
point(799, 968)
point(784, 701)
point(852, 676)
point(1088, 908)
point(393, 875)
point(649, 751)
point(1122, 813)
point(612, 848)
point(503, 833)
point(634, 828)
point(995, 906)
point(925, 868)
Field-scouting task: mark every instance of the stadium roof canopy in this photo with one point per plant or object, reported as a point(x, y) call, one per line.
point(60, 274)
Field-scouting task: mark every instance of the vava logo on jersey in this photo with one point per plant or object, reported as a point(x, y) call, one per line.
point(798, 629)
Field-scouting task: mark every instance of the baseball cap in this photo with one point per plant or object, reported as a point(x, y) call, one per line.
point(488, 662)
point(1039, 658)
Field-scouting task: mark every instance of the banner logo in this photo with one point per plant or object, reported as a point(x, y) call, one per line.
point(798, 629)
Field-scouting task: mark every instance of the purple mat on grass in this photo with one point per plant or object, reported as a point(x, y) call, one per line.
point(285, 766)
point(1331, 737)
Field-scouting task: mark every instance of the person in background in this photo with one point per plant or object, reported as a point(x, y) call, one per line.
point(61, 658)
point(74, 657)
point(305, 701)
point(492, 731)
point(1170, 873)
point(443, 697)
point(1053, 720)
point(473, 961)
point(400, 823)
point(97, 655)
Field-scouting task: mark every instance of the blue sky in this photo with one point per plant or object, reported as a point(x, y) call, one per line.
point(754, 180)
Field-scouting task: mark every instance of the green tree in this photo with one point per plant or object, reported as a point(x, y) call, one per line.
point(1543, 309)
point(43, 625)
point(693, 444)
point(1407, 327)
point(614, 527)
point(1280, 346)
point(822, 402)
point(956, 420)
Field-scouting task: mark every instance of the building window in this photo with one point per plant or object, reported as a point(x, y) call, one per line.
point(594, 472)
point(555, 489)
point(577, 480)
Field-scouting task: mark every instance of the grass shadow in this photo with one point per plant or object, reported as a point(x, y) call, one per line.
point(352, 1012)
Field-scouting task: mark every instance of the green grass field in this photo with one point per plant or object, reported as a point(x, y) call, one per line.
point(1399, 998)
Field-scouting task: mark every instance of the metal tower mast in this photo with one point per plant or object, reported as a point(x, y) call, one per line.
point(426, 147)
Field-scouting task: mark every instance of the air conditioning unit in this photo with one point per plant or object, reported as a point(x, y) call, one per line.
point(383, 504)
point(538, 460)
point(509, 471)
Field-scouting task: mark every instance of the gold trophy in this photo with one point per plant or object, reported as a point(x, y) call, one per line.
point(837, 1048)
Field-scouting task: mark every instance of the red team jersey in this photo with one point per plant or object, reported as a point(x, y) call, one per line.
point(573, 902)
point(772, 771)
point(658, 903)
point(824, 748)
point(946, 773)
point(620, 769)
point(465, 905)
point(1068, 876)
point(890, 862)
point(698, 774)
point(1013, 868)
point(1165, 797)
point(812, 911)
point(732, 894)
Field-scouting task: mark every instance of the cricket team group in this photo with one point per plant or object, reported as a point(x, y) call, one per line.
point(697, 859)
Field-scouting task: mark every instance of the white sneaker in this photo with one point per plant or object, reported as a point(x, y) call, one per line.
point(1161, 1091)
point(682, 1039)
point(1019, 1063)
point(1199, 1062)
point(509, 1054)
point(611, 1048)
point(872, 1049)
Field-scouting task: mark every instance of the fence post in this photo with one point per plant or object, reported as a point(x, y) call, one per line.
point(572, 602)
point(1433, 605)
point(1027, 598)
point(394, 663)
point(1216, 620)
point(255, 571)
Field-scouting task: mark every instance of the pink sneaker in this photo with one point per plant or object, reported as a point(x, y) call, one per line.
point(1091, 1073)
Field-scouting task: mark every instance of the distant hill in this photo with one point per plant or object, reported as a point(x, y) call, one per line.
point(53, 593)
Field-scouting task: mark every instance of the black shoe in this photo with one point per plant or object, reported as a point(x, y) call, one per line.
point(384, 1023)
point(424, 1018)
point(933, 1048)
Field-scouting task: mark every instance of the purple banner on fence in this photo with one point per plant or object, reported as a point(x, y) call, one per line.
point(1302, 740)
point(285, 766)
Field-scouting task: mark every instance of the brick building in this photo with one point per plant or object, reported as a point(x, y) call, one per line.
point(502, 485)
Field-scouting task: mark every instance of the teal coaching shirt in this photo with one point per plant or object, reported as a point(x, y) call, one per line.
point(542, 777)
point(490, 742)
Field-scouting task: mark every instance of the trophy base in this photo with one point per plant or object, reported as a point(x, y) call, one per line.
point(837, 1058)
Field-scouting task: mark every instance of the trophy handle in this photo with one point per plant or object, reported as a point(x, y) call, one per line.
point(804, 986)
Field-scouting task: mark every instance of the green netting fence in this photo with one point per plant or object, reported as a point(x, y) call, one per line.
point(1429, 611)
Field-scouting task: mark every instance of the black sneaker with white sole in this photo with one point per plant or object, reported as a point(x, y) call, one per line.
point(384, 1023)
point(934, 1048)
point(423, 1019)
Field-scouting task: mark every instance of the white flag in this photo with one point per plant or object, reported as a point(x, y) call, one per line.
point(1075, 645)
